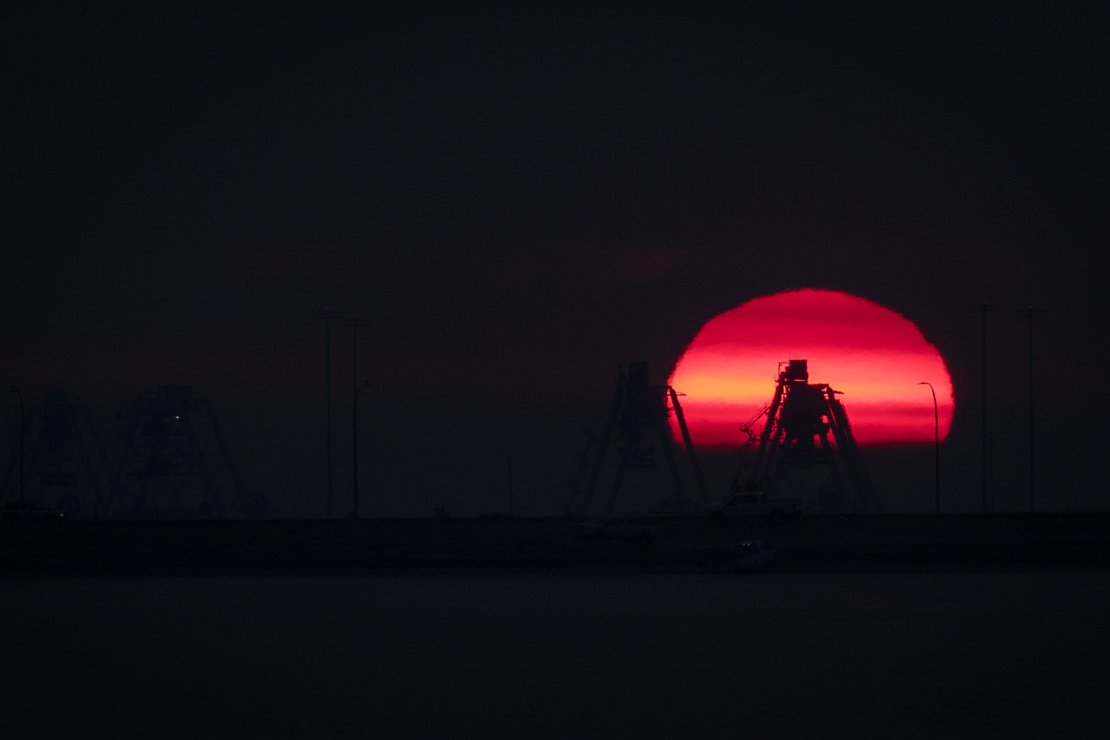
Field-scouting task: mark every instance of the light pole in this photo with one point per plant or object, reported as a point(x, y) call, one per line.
point(509, 463)
point(354, 322)
point(22, 433)
point(1031, 313)
point(354, 444)
point(983, 308)
point(327, 315)
point(936, 443)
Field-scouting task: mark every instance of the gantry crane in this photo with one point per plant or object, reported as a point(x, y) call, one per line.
point(794, 453)
point(67, 465)
point(174, 452)
point(638, 410)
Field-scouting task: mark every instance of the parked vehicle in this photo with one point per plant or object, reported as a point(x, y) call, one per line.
point(745, 556)
point(29, 511)
point(755, 504)
point(752, 555)
point(617, 528)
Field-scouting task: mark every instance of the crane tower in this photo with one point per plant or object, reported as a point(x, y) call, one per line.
point(176, 462)
point(67, 465)
point(806, 448)
point(639, 411)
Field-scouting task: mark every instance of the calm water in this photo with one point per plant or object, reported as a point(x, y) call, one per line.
point(999, 655)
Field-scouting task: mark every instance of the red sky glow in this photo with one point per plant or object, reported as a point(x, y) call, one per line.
point(871, 353)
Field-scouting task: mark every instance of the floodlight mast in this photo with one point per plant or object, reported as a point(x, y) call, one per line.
point(354, 322)
point(354, 449)
point(22, 436)
point(983, 308)
point(327, 315)
point(1030, 314)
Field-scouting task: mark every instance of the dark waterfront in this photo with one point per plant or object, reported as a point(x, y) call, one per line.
point(562, 546)
point(784, 655)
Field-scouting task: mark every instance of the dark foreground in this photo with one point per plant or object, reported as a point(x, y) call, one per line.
point(813, 656)
point(905, 543)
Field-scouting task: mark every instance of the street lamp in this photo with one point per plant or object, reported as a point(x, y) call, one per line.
point(354, 443)
point(936, 442)
point(22, 434)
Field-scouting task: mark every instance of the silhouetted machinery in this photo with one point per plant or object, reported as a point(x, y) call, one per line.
point(175, 461)
point(66, 465)
point(638, 411)
point(795, 456)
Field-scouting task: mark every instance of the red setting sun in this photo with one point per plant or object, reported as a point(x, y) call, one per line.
point(873, 355)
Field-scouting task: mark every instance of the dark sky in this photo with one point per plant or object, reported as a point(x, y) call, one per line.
point(519, 200)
